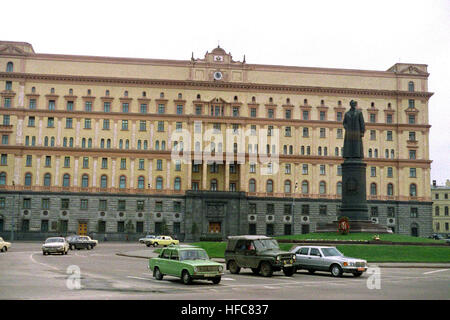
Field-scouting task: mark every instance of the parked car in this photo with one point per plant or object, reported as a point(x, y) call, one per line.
point(81, 242)
point(437, 236)
point(259, 253)
point(186, 262)
point(313, 258)
point(161, 241)
point(4, 246)
point(55, 245)
point(146, 238)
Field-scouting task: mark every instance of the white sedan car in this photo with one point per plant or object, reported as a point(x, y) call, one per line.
point(55, 245)
point(4, 246)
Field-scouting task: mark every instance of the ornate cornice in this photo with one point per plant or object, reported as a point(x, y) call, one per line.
point(216, 85)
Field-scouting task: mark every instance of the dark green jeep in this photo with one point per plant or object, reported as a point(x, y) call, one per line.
point(260, 253)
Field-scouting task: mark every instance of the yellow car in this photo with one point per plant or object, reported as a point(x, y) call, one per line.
point(162, 241)
point(4, 246)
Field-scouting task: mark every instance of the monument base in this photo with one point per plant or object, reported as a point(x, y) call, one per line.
point(355, 226)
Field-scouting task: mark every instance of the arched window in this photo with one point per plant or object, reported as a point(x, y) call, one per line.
point(85, 181)
point(198, 97)
point(108, 143)
point(180, 96)
point(287, 186)
point(46, 142)
point(157, 145)
point(386, 153)
point(322, 187)
point(437, 211)
point(269, 186)
point(253, 99)
point(339, 188)
point(89, 143)
point(213, 186)
point(336, 151)
point(64, 142)
point(390, 189)
point(392, 153)
point(305, 187)
point(125, 94)
point(120, 144)
point(373, 189)
point(122, 182)
point(9, 67)
point(177, 184)
point(28, 179)
point(139, 145)
point(127, 144)
point(413, 190)
point(163, 145)
point(376, 153)
point(291, 150)
point(302, 150)
point(161, 95)
point(102, 143)
point(83, 143)
point(252, 185)
point(370, 153)
point(141, 182)
point(52, 141)
point(47, 180)
point(145, 144)
point(285, 149)
point(2, 178)
point(104, 181)
point(107, 93)
point(410, 86)
point(66, 180)
point(159, 183)
point(414, 229)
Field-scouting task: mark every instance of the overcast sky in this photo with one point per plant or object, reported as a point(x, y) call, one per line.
point(369, 35)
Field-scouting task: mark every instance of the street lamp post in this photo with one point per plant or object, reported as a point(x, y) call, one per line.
point(292, 208)
point(148, 215)
point(13, 213)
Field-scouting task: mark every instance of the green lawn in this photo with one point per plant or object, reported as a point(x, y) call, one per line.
point(371, 253)
point(358, 236)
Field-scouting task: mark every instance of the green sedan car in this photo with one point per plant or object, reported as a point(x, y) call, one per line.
point(187, 263)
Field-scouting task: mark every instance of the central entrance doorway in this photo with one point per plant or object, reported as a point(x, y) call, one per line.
point(82, 228)
point(214, 227)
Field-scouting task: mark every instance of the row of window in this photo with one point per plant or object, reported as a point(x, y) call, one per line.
point(437, 211)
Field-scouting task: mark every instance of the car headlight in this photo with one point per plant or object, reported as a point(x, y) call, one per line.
point(195, 269)
point(278, 258)
point(220, 268)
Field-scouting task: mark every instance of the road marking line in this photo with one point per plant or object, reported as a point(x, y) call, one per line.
point(228, 279)
point(43, 264)
point(429, 272)
point(139, 278)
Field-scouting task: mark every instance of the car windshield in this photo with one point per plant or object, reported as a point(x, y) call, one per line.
point(193, 255)
point(266, 244)
point(51, 240)
point(331, 252)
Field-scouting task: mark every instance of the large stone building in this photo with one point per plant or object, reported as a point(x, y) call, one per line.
point(441, 207)
point(87, 145)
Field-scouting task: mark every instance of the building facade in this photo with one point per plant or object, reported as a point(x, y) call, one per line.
point(441, 207)
point(206, 146)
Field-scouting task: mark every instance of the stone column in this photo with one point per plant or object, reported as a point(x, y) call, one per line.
point(189, 175)
point(227, 177)
point(204, 173)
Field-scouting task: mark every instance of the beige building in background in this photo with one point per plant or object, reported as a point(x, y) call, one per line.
point(87, 145)
point(441, 207)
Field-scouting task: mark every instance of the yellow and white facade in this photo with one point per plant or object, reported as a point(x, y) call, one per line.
point(87, 130)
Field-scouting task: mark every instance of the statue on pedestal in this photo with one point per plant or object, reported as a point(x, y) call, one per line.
point(354, 131)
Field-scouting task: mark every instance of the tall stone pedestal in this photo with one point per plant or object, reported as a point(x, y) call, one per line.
point(355, 226)
point(354, 203)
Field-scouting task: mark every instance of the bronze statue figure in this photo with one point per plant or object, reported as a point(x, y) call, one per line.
point(354, 131)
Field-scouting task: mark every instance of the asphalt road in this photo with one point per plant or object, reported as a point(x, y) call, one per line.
point(26, 274)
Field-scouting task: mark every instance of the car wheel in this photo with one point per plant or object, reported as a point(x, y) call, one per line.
point(311, 271)
point(266, 269)
point(65, 252)
point(233, 267)
point(3, 249)
point(336, 270)
point(44, 253)
point(186, 277)
point(289, 271)
point(6, 249)
point(155, 244)
point(148, 244)
point(216, 280)
point(255, 270)
point(357, 273)
point(72, 247)
point(157, 274)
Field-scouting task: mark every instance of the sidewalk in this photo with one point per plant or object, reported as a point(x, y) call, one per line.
point(149, 253)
